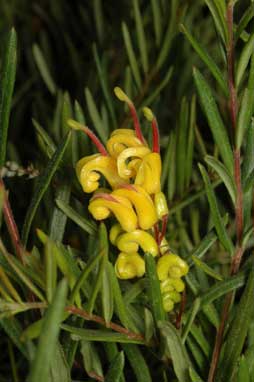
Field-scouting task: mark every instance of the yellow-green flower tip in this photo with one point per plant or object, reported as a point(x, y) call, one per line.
point(129, 265)
point(75, 125)
point(161, 204)
point(121, 95)
point(148, 113)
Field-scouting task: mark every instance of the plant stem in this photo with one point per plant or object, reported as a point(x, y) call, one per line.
point(235, 264)
point(11, 225)
point(92, 317)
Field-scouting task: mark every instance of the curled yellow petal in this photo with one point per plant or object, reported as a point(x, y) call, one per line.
point(170, 299)
point(126, 156)
point(114, 233)
point(121, 139)
point(142, 203)
point(101, 205)
point(149, 173)
point(171, 266)
point(169, 285)
point(160, 205)
point(131, 241)
point(129, 265)
point(90, 168)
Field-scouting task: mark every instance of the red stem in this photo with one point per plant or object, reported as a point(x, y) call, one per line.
point(11, 225)
point(136, 122)
point(96, 141)
point(156, 136)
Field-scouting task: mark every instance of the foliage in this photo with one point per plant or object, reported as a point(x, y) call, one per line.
point(64, 315)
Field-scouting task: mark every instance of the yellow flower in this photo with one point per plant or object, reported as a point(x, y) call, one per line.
point(124, 160)
point(121, 139)
point(102, 204)
point(90, 168)
point(171, 266)
point(129, 265)
point(149, 173)
point(142, 203)
point(131, 241)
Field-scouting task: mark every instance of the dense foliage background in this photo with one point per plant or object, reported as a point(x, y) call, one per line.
point(178, 58)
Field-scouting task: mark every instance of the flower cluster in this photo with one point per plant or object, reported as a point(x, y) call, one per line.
point(133, 172)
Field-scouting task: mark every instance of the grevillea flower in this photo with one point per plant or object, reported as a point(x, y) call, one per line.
point(133, 173)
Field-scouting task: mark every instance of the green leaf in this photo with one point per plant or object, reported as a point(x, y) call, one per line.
point(140, 35)
point(153, 289)
point(99, 19)
point(59, 219)
point(131, 55)
point(191, 317)
point(83, 276)
point(104, 86)
point(243, 374)
point(149, 325)
point(43, 69)
point(169, 35)
point(216, 216)
point(201, 249)
point(224, 174)
point(115, 368)
point(87, 225)
point(245, 19)
point(50, 271)
point(120, 306)
point(157, 17)
point(244, 60)
point(238, 331)
point(46, 349)
point(8, 74)
point(190, 143)
point(59, 371)
point(13, 330)
point(205, 268)
point(137, 362)
point(171, 169)
point(47, 140)
point(194, 376)
point(154, 94)
point(214, 120)
point(100, 335)
point(212, 66)
point(181, 145)
point(42, 187)
point(246, 109)
point(95, 116)
point(91, 358)
point(180, 359)
point(218, 12)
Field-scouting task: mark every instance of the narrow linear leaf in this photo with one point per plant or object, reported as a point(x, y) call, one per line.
point(194, 376)
point(238, 331)
point(13, 329)
point(212, 66)
point(243, 374)
point(115, 368)
point(154, 291)
point(131, 55)
point(59, 218)
point(100, 335)
point(43, 69)
point(49, 334)
point(50, 271)
point(214, 120)
point(95, 116)
point(180, 359)
point(137, 362)
point(191, 317)
point(224, 175)
point(190, 143)
point(156, 92)
point(59, 371)
point(157, 17)
point(140, 35)
point(50, 145)
point(222, 288)
point(219, 18)
point(42, 187)
point(91, 358)
point(87, 225)
point(247, 106)
point(205, 268)
point(245, 19)
point(8, 74)
point(216, 216)
point(244, 59)
point(104, 85)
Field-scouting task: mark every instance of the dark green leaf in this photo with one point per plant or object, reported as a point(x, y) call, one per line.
point(8, 74)
point(131, 55)
point(214, 120)
point(40, 367)
point(115, 368)
point(43, 69)
point(42, 186)
point(137, 362)
point(153, 289)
